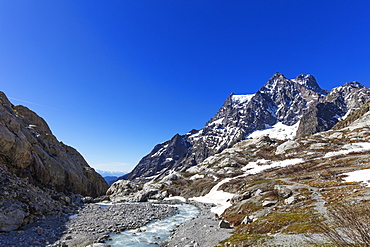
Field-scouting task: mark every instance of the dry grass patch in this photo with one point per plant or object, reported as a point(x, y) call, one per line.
point(237, 212)
point(245, 240)
point(349, 225)
point(284, 222)
point(191, 188)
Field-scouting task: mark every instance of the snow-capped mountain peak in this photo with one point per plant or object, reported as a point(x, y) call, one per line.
point(276, 109)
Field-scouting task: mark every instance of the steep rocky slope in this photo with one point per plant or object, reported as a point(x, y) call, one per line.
point(29, 149)
point(280, 102)
point(339, 103)
point(38, 174)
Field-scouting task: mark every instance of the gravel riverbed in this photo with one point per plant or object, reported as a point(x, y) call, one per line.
point(91, 223)
point(202, 231)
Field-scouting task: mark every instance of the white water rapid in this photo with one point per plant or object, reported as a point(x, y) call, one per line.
point(156, 231)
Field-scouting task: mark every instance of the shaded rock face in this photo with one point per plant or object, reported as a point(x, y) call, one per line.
point(340, 102)
point(353, 117)
point(320, 117)
point(30, 150)
point(279, 100)
point(163, 156)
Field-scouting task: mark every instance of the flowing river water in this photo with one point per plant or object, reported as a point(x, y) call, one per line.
point(156, 231)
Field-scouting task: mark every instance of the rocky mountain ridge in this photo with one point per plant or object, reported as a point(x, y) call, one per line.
point(299, 103)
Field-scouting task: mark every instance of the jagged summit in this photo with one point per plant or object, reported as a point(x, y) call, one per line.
point(278, 80)
point(354, 84)
point(309, 81)
point(281, 101)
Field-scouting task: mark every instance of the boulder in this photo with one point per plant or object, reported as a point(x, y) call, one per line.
point(268, 203)
point(290, 200)
point(238, 198)
point(144, 195)
point(11, 216)
point(121, 188)
point(171, 177)
point(282, 191)
point(282, 148)
point(258, 192)
point(248, 219)
point(224, 224)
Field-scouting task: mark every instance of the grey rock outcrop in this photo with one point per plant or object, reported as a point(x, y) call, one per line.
point(29, 149)
point(340, 102)
point(290, 200)
point(224, 224)
point(283, 191)
point(121, 188)
point(127, 191)
point(286, 146)
point(11, 216)
point(237, 198)
point(248, 219)
point(268, 203)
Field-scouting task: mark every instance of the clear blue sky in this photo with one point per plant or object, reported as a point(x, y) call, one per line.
point(113, 78)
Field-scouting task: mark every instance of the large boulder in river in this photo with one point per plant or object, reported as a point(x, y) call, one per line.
point(30, 150)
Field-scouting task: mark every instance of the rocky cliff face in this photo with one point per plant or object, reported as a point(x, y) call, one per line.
point(30, 150)
point(280, 100)
point(339, 103)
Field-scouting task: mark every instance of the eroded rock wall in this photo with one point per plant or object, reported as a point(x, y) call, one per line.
point(28, 149)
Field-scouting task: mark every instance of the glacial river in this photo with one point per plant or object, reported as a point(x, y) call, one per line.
point(156, 231)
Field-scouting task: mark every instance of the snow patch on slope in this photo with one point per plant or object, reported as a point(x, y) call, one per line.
point(278, 131)
point(358, 176)
point(222, 198)
point(261, 165)
point(350, 148)
point(218, 197)
point(241, 99)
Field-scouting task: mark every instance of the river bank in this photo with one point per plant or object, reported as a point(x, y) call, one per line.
point(202, 231)
point(91, 223)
